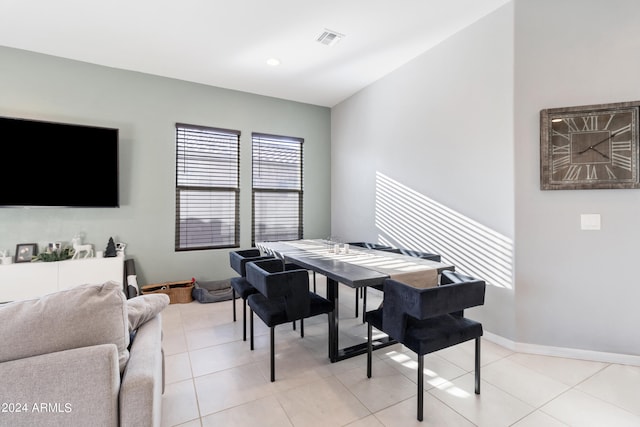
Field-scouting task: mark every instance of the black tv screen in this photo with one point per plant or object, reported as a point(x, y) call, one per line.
point(58, 164)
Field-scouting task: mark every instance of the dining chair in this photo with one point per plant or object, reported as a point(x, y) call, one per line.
point(426, 320)
point(369, 245)
point(239, 285)
point(403, 251)
point(283, 296)
point(414, 253)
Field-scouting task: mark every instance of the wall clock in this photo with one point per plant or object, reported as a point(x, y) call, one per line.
point(589, 147)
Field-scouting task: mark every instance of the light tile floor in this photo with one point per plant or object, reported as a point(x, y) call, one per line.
point(213, 379)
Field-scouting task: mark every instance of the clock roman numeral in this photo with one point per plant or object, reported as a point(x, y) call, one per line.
point(608, 122)
point(573, 173)
point(610, 173)
point(573, 127)
point(590, 123)
point(621, 161)
point(591, 172)
point(622, 130)
point(560, 163)
point(559, 150)
point(621, 145)
point(560, 134)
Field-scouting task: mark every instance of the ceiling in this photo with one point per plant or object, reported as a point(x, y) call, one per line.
point(227, 43)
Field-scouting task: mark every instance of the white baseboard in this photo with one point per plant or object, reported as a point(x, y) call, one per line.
point(571, 353)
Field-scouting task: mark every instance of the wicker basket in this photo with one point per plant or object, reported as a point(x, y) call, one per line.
point(179, 292)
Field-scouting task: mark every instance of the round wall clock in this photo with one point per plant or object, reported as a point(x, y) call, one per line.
point(590, 147)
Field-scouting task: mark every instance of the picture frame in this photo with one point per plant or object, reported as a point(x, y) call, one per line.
point(54, 247)
point(26, 251)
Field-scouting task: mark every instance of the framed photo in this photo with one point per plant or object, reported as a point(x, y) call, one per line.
point(26, 251)
point(54, 247)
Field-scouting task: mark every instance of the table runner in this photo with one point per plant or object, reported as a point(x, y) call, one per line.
point(413, 271)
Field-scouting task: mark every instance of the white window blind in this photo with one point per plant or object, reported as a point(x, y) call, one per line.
point(207, 187)
point(277, 188)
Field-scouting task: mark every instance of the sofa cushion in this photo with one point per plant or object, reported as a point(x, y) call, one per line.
point(77, 317)
point(145, 307)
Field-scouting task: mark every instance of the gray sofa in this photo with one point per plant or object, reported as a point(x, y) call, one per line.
point(83, 356)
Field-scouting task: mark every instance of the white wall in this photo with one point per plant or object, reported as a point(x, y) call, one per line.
point(423, 159)
point(145, 108)
point(459, 127)
point(576, 289)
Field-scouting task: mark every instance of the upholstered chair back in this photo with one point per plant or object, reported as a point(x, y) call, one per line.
point(239, 259)
point(456, 293)
point(275, 281)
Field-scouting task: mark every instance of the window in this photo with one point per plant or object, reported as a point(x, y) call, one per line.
point(277, 188)
point(207, 188)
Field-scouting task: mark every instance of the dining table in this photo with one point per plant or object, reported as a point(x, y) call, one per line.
point(354, 267)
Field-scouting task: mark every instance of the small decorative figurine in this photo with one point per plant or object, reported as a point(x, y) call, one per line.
point(110, 251)
point(79, 248)
point(120, 247)
point(86, 249)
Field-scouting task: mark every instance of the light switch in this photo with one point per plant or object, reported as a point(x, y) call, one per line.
point(590, 221)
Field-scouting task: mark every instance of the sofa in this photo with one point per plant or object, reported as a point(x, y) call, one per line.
point(85, 356)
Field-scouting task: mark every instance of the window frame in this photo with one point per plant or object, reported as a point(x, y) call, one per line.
point(256, 137)
point(233, 191)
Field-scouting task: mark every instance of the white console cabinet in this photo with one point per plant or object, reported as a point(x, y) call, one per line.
point(34, 279)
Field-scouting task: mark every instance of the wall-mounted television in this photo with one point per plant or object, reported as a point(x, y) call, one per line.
point(46, 164)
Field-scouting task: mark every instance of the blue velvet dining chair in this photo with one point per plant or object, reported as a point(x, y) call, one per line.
point(239, 285)
point(417, 254)
point(403, 251)
point(283, 296)
point(426, 320)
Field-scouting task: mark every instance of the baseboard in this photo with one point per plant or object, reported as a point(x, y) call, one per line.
point(571, 353)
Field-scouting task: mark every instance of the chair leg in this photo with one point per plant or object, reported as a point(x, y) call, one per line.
point(244, 319)
point(301, 328)
point(251, 326)
point(273, 357)
point(477, 365)
point(420, 387)
point(233, 301)
point(314, 282)
point(369, 348)
point(356, 309)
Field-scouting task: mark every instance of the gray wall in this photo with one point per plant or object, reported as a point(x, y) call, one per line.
point(444, 154)
point(423, 159)
point(145, 108)
point(576, 288)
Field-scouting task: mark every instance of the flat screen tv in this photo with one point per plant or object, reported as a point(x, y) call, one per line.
point(47, 164)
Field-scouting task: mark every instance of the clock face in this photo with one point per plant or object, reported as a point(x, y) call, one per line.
point(590, 149)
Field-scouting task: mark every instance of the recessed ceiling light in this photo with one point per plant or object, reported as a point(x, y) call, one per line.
point(274, 62)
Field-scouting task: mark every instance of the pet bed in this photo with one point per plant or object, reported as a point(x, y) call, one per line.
point(212, 290)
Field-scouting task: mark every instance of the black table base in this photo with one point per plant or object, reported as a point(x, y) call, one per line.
point(336, 353)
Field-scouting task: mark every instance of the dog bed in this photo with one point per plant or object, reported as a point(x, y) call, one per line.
point(212, 290)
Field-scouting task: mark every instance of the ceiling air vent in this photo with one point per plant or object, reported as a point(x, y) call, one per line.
point(329, 37)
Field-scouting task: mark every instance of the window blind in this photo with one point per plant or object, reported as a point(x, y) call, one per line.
point(207, 187)
point(277, 188)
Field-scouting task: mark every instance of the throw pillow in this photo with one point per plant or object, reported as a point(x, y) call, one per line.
point(81, 316)
point(145, 307)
